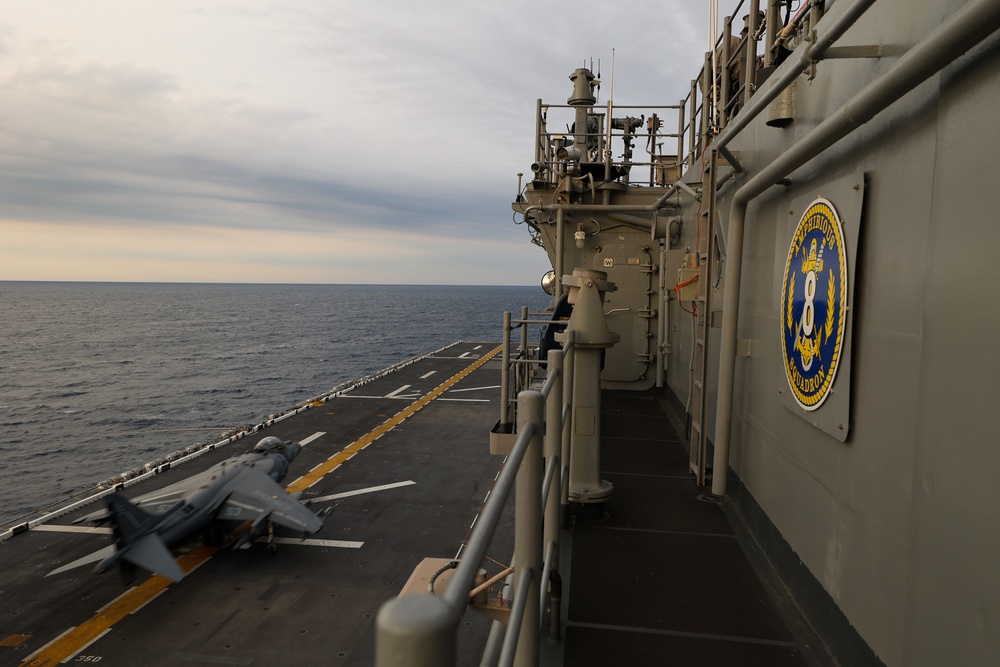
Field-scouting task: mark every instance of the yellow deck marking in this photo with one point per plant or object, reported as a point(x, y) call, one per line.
point(82, 635)
point(337, 459)
point(15, 640)
point(85, 633)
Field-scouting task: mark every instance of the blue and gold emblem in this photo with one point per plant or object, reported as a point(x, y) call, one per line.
point(814, 304)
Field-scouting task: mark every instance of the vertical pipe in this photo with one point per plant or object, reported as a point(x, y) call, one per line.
point(560, 250)
point(727, 346)
point(538, 131)
point(750, 52)
point(527, 526)
point(771, 30)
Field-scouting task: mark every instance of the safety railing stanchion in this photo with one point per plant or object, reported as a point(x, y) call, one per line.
point(553, 447)
point(569, 361)
point(415, 631)
point(505, 372)
point(528, 527)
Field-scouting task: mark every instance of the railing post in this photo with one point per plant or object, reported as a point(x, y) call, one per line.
point(723, 71)
point(692, 134)
point(415, 631)
point(569, 361)
point(522, 353)
point(750, 54)
point(505, 372)
point(681, 158)
point(772, 23)
point(527, 526)
point(553, 445)
point(524, 331)
point(538, 132)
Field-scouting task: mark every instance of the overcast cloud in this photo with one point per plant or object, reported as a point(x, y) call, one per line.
point(299, 141)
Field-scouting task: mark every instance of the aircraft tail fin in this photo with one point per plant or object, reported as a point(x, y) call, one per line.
point(137, 542)
point(151, 553)
point(129, 521)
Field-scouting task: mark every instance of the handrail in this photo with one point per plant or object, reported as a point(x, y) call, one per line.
point(551, 169)
point(518, 611)
point(523, 357)
point(475, 549)
point(413, 629)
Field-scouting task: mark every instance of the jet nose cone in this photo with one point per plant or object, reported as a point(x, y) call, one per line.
point(291, 450)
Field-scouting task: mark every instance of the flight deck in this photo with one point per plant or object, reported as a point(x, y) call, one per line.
point(405, 460)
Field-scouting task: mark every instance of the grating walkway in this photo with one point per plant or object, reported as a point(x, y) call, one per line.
point(664, 579)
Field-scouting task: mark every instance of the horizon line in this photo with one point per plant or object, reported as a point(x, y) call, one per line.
point(304, 284)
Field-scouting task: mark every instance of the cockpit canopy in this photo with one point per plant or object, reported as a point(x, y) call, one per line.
point(273, 445)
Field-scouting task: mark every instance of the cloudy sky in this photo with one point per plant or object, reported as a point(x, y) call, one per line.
point(300, 141)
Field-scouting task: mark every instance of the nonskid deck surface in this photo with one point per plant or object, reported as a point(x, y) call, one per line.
point(421, 469)
point(666, 579)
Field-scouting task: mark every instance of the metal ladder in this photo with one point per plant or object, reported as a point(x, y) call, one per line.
point(706, 261)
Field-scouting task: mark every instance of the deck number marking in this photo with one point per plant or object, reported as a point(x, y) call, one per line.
point(814, 304)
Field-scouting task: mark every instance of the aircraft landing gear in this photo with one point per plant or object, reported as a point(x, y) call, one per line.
point(271, 546)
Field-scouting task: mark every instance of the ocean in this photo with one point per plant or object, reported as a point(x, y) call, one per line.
point(99, 378)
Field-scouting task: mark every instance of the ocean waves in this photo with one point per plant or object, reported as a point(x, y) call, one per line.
point(99, 378)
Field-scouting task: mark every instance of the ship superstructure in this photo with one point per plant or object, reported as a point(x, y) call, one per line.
point(803, 261)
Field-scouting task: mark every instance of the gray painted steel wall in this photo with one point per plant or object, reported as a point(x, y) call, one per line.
point(900, 523)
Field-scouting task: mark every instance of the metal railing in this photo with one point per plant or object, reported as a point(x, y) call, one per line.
point(420, 629)
point(604, 132)
point(735, 63)
point(519, 367)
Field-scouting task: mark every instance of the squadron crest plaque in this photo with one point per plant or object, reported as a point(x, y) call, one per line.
point(814, 304)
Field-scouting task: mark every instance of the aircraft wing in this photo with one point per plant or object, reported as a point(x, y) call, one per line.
point(255, 494)
point(156, 503)
point(98, 555)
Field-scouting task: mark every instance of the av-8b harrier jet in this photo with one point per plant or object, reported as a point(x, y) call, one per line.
point(242, 488)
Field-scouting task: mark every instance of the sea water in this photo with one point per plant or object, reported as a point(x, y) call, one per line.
point(99, 378)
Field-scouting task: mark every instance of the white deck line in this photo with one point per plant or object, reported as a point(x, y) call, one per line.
point(57, 528)
point(337, 544)
point(358, 492)
point(315, 436)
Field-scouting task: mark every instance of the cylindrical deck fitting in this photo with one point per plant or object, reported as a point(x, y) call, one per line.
point(415, 631)
point(591, 336)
